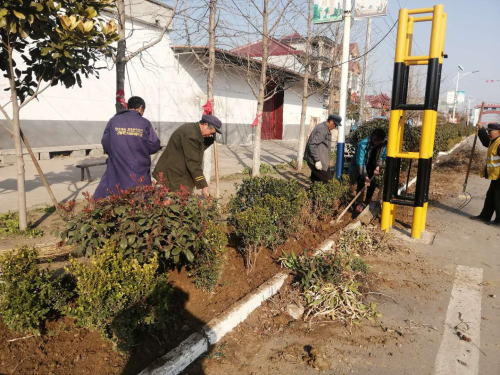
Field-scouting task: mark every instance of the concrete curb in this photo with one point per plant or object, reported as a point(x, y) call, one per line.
point(403, 188)
point(197, 344)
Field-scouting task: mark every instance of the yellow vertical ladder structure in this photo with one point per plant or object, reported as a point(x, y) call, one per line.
point(395, 152)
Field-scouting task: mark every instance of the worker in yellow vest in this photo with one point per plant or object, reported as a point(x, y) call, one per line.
point(491, 138)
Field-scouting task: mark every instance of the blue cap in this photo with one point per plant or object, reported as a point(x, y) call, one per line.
point(214, 121)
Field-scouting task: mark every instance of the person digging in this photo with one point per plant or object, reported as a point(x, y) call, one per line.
point(319, 147)
point(490, 138)
point(182, 161)
point(368, 161)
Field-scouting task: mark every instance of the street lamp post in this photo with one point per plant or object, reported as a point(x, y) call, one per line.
point(457, 78)
point(470, 100)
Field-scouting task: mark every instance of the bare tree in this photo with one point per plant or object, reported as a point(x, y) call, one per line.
point(121, 57)
point(305, 86)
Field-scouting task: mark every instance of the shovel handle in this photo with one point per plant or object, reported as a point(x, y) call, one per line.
point(472, 151)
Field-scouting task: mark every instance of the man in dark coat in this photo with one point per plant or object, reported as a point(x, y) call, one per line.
point(182, 161)
point(319, 147)
point(129, 140)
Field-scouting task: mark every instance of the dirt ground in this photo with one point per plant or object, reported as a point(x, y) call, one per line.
point(407, 287)
point(88, 353)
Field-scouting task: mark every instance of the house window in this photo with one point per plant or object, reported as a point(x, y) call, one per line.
point(354, 83)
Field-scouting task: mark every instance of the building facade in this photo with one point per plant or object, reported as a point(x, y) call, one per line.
point(172, 83)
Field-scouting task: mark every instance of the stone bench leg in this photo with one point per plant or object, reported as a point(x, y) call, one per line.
point(82, 174)
point(88, 174)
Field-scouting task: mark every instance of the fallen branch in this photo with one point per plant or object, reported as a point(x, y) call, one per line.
point(21, 338)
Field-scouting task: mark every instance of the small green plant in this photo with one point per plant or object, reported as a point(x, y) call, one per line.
point(247, 171)
point(358, 265)
point(281, 167)
point(207, 266)
point(119, 297)
point(28, 294)
point(9, 226)
point(266, 169)
point(279, 200)
point(326, 197)
point(256, 229)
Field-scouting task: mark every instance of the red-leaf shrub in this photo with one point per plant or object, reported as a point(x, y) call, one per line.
point(144, 221)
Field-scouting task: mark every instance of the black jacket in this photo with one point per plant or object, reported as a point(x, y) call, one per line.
point(182, 161)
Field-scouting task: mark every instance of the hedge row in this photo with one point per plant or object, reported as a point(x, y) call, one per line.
point(447, 134)
point(266, 211)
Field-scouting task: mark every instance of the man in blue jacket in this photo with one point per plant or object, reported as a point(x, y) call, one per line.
point(367, 162)
point(129, 140)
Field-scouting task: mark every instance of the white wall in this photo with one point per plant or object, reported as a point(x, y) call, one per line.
point(293, 107)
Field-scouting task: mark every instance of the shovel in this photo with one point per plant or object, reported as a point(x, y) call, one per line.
point(464, 195)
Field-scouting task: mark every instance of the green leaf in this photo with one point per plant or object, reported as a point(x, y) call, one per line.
point(19, 15)
point(45, 50)
point(68, 55)
point(141, 222)
point(189, 255)
point(90, 12)
point(38, 6)
point(176, 251)
point(3, 12)
point(123, 243)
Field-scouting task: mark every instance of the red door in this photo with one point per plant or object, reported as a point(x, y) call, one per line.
point(272, 115)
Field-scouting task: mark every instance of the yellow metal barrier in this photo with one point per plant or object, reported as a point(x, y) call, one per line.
point(402, 62)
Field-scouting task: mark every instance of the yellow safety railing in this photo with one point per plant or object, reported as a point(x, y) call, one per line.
point(402, 62)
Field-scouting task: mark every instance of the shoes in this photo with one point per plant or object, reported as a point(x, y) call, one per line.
point(494, 223)
point(479, 218)
point(359, 208)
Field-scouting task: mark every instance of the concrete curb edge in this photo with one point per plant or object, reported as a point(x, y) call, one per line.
point(198, 343)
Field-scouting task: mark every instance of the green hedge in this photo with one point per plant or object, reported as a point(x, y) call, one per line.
point(447, 134)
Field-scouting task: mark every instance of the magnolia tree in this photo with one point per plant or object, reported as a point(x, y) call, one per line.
point(45, 43)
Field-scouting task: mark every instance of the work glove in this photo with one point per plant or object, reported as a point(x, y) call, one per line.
point(318, 166)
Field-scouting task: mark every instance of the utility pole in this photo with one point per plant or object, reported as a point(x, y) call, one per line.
point(343, 89)
point(365, 70)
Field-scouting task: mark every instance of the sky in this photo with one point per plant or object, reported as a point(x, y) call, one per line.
point(472, 41)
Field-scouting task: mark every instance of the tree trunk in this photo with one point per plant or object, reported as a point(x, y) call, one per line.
point(334, 71)
point(120, 57)
point(365, 72)
point(207, 156)
point(16, 129)
point(305, 84)
point(262, 92)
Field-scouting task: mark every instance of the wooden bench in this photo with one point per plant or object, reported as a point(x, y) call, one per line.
point(85, 167)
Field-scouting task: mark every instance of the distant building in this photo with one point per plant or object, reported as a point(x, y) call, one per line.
point(289, 52)
point(491, 113)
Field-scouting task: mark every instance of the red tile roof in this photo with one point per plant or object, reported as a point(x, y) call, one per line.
point(275, 47)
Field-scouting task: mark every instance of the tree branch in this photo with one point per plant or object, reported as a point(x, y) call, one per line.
point(157, 40)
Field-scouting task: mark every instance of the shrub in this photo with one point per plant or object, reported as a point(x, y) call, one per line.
point(447, 135)
point(411, 136)
point(256, 228)
point(283, 200)
point(28, 294)
point(143, 221)
point(9, 225)
point(207, 266)
point(326, 197)
point(119, 297)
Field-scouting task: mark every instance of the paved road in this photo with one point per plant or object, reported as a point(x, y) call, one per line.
point(64, 177)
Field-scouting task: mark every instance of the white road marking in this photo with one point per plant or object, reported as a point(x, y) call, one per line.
point(465, 302)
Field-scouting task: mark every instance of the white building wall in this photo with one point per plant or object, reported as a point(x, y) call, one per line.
point(292, 110)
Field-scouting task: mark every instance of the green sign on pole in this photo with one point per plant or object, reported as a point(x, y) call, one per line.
point(327, 11)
